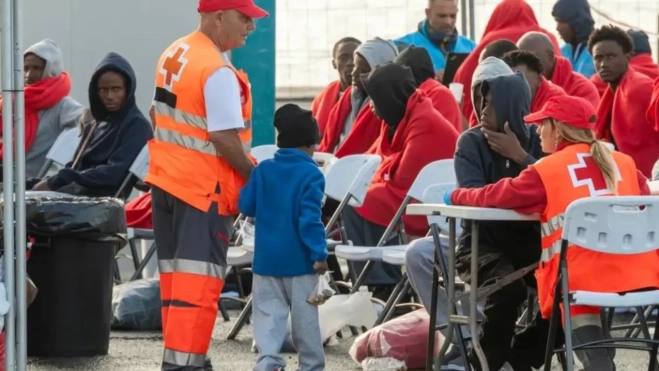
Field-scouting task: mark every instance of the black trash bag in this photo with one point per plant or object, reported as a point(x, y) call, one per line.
point(97, 219)
point(136, 305)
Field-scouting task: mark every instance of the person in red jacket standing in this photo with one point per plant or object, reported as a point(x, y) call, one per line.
point(578, 167)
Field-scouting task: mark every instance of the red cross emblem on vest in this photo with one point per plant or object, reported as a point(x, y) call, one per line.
point(586, 173)
point(173, 66)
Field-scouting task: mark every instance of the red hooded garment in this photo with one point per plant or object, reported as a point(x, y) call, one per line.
point(335, 123)
point(364, 132)
point(622, 119)
point(545, 91)
point(443, 101)
point(324, 102)
point(511, 19)
point(423, 136)
point(642, 63)
point(574, 84)
point(653, 110)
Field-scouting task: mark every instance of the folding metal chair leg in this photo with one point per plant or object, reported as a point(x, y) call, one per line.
point(569, 354)
point(392, 301)
point(223, 311)
point(646, 314)
point(117, 274)
point(643, 323)
point(241, 321)
point(133, 253)
point(655, 347)
point(553, 328)
point(143, 263)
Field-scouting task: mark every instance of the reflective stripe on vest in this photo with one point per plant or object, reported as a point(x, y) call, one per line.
point(186, 141)
point(192, 267)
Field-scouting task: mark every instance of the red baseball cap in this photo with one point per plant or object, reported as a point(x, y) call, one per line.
point(573, 111)
point(247, 7)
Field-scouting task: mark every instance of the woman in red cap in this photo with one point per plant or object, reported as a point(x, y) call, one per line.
point(577, 166)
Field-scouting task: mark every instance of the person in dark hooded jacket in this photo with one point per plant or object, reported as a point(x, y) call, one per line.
point(111, 141)
point(414, 135)
point(504, 246)
point(574, 24)
point(418, 60)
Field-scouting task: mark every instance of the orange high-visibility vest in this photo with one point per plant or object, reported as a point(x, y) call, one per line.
point(567, 176)
point(183, 161)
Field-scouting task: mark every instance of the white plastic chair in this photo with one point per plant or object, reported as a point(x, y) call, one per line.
point(434, 194)
point(324, 160)
point(62, 151)
point(264, 152)
point(431, 173)
point(624, 225)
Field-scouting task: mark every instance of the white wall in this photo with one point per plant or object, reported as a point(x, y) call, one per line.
point(86, 30)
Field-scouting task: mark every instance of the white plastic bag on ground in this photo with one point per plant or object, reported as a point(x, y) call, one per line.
point(383, 364)
point(346, 310)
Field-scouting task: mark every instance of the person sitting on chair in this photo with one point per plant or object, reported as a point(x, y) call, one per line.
point(501, 147)
point(547, 188)
point(414, 135)
point(111, 142)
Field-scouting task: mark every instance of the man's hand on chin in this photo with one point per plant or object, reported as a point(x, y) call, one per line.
point(506, 144)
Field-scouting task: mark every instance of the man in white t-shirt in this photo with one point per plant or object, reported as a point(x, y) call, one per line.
point(198, 162)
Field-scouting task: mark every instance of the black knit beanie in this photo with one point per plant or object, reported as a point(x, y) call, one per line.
point(296, 127)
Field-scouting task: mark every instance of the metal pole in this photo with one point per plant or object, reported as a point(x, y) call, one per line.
point(463, 17)
point(8, 181)
point(21, 235)
point(472, 20)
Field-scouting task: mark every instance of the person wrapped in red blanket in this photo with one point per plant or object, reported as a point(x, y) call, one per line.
point(342, 62)
point(352, 107)
point(419, 61)
point(414, 136)
point(641, 59)
point(621, 115)
point(558, 69)
point(511, 19)
point(547, 188)
point(529, 64)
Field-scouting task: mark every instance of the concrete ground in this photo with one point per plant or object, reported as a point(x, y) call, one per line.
point(141, 351)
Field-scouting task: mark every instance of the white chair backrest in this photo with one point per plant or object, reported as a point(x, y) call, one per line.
point(614, 225)
point(264, 152)
point(434, 194)
point(441, 171)
point(351, 175)
point(141, 164)
point(65, 146)
point(325, 160)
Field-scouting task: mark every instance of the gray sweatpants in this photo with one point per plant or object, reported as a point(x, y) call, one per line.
point(273, 298)
point(419, 258)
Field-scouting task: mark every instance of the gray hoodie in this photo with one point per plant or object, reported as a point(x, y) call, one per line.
point(63, 115)
point(376, 52)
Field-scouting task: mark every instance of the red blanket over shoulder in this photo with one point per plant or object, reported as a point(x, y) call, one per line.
point(574, 84)
point(511, 19)
point(138, 212)
point(443, 101)
point(422, 137)
point(653, 110)
point(623, 115)
point(324, 102)
point(545, 91)
point(335, 123)
point(365, 131)
point(642, 63)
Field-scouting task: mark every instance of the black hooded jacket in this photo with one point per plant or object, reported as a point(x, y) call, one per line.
point(641, 42)
point(477, 165)
point(577, 14)
point(115, 143)
point(390, 86)
point(418, 59)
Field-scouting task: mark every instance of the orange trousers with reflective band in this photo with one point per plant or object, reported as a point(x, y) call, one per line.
point(192, 246)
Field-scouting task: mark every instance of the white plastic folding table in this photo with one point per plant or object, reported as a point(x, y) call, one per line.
point(475, 215)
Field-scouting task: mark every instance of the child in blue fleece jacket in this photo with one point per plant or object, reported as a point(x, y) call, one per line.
point(284, 195)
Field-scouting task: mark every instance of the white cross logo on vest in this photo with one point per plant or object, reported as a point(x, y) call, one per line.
point(579, 174)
